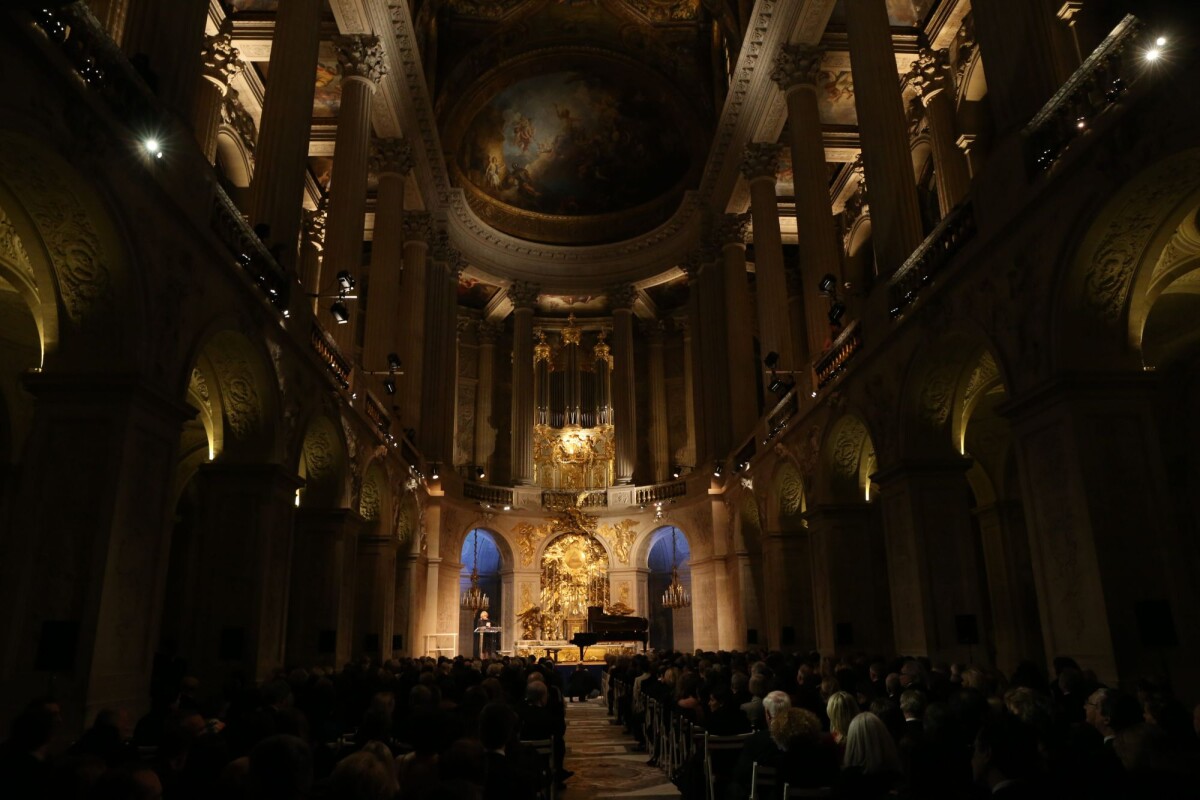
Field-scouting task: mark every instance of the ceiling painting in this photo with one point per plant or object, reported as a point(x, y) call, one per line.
point(252, 6)
point(835, 98)
point(901, 13)
point(327, 99)
point(579, 304)
point(474, 293)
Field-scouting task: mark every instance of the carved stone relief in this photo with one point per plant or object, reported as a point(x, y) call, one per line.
point(12, 249)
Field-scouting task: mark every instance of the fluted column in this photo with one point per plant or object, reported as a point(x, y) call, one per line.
point(797, 72)
point(283, 131)
point(361, 59)
point(485, 432)
point(620, 300)
point(156, 34)
point(1017, 42)
point(743, 402)
point(895, 213)
point(690, 447)
point(934, 83)
point(660, 450)
point(220, 64)
point(418, 232)
point(441, 348)
point(391, 160)
point(524, 298)
point(760, 165)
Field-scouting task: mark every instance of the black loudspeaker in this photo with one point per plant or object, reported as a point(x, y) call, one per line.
point(397, 641)
point(789, 635)
point(843, 634)
point(371, 643)
point(966, 627)
point(233, 644)
point(752, 636)
point(57, 644)
point(326, 642)
point(1156, 623)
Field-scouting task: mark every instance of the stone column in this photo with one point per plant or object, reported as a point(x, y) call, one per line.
point(1018, 44)
point(934, 83)
point(418, 232)
point(1011, 591)
point(739, 316)
point(933, 560)
point(405, 620)
point(438, 386)
point(760, 166)
point(391, 160)
point(524, 298)
point(245, 563)
point(84, 554)
point(706, 345)
point(705, 635)
point(660, 451)
point(361, 59)
point(165, 37)
point(620, 300)
point(312, 247)
point(321, 600)
point(433, 565)
point(797, 72)
point(375, 599)
point(1116, 578)
point(284, 128)
point(486, 335)
point(691, 451)
point(895, 213)
point(788, 590)
point(220, 64)
point(850, 580)
point(731, 635)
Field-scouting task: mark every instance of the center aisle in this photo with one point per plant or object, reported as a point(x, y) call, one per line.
point(604, 761)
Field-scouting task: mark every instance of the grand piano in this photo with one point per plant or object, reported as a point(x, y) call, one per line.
point(603, 627)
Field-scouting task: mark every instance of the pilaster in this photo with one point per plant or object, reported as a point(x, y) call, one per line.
point(760, 165)
point(524, 298)
point(620, 299)
point(321, 600)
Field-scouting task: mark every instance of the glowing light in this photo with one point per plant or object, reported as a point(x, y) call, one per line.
point(1161, 41)
point(297, 498)
point(153, 147)
point(1153, 54)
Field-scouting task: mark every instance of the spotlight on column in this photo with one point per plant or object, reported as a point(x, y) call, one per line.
point(433, 471)
point(739, 466)
point(479, 473)
point(718, 469)
point(393, 362)
point(676, 471)
point(389, 385)
point(345, 280)
point(772, 360)
point(836, 312)
point(777, 386)
point(828, 284)
point(341, 314)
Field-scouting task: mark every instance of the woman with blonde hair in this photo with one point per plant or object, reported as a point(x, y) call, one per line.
point(842, 708)
point(870, 765)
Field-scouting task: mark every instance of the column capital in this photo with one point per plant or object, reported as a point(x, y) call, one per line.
point(622, 296)
point(361, 56)
point(733, 229)
point(443, 252)
point(234, 114)
point(219, 59)
point(487, 333)
point(418, 226)
point(797, 65)
point(524, 294)
point(929, 74)
point(761, 161)
point(315, 220)
point(391, 157)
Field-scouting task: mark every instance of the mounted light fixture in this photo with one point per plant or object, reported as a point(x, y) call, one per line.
point(676, 471)
point(479, 473)
point(836, 312)
point(339, 312)
point(433, 471)
point(389, 385)
point(345, 280)
point(718, 469)
point(772, 360)
point(393, 361)
point(828, 284)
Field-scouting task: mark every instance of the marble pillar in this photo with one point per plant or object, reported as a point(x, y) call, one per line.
point(1012, 596)
point(798, 74)
point(277, 188)
point(524, 298)
point(850, 580)
point(375, 593)
point(934, 84)
point(245, 564)
point(620, 299)
point(361, 59)
point(84, 561)
point(660, 453)
point(1020, 57)
point(321, 600)
point(391, 160)
point(760, 166)
point(935, 568)
point(405, 619)
point(220, 64)
point(739, 317)
point(896, 227)
point(486, 334)
point(418, 233)
point(788, 590)
point(691, 451)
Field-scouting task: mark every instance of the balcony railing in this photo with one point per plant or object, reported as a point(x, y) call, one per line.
point(933, 254)
point(592, 498)
point(1100, 82)
point(327, 351)
point(499, 496)
point(844, 348)
point(660, 492)
point(378, 415)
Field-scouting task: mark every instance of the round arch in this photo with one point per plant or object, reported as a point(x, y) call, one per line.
point(375, 499)
point(669, 554)
point(847, 462)
point(324, 465)
point(789, 503)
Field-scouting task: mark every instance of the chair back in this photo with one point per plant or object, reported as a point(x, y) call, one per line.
point(761, 777)
point(814, 792)
point(548, 782)
point(714, 744)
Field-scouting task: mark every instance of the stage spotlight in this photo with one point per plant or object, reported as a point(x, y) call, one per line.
point(153, 147)
point(393, 362)
point(836, 312)
point(433, 471)
point(676, 471)
point(828, 284)
point(341, 314)
point(479, 473)
point(718, 469)
point(389, 385)
point(345, 280)
point(772, 360)
point(777, 386)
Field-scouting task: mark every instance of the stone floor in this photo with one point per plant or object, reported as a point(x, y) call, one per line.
point(604, 760)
